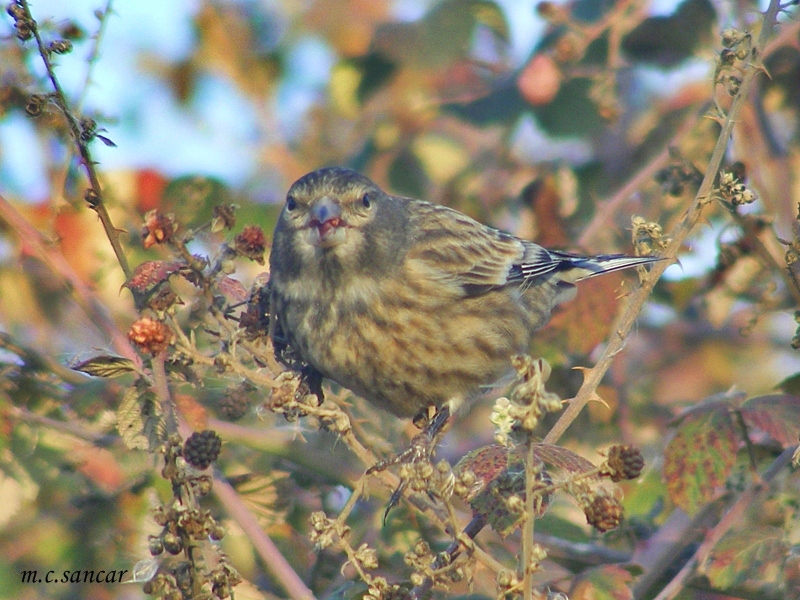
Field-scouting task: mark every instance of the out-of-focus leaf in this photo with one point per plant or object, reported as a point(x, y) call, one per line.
point(700, 456)
point(407, 175)
point(669, 40)
point(195, 414)
point(139, 421)
point(348, 25)
point(747, 559)
point(375, 70)
point(504, 105)
point(350, 590)
point(150, 186)
point(609, 582)
point(16, 490)
point(777, 415)
point(540, 80)
point(106, 365)
point(443, 36)
point(98, 465)
point(192, 198)
point(572, 112)
point(441, 157)
point(790, 385)
point(344, 84)
point(588, 318)
point(266, 496)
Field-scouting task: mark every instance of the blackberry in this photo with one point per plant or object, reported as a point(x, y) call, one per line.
point(202, 448)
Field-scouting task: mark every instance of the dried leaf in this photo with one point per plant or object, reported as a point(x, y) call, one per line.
point(106, 365)
point(150, 274)
point(500, 474)
point(562, 458)
point(777, 415)
point(699, 458)
point(233, 290)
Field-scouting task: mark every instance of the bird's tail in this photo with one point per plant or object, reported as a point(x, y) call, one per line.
point(577, 268)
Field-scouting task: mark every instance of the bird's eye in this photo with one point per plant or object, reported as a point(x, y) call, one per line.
point(291, 204)
point(366, 201)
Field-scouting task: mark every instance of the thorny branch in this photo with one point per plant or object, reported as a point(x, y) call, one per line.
point(94, 195)
point(625, 322)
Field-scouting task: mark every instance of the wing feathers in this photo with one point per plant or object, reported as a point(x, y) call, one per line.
point(479, 258)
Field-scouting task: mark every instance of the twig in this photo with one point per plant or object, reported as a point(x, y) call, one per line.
point(161, 389)
point(79, 431)
point(275, 562)
point(531, 476)
point(76, 131)
point(678, 236)
point(94, 54)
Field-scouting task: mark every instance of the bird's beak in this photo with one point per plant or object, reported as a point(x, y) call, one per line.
point(326, 228)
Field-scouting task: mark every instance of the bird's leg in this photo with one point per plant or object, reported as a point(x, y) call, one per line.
point(422, 445)
point(420, 450)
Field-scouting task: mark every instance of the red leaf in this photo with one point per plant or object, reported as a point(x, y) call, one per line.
point(777, 415)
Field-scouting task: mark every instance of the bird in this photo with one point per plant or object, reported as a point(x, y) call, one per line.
point(408, 303)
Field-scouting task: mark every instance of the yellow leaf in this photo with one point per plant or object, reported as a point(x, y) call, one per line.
point(345, 80)
point(441, 157)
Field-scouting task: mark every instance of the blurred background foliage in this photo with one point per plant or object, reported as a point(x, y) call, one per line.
point(556, 121)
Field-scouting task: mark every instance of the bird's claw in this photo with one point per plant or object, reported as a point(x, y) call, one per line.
point(420, 449)
point(418, 454)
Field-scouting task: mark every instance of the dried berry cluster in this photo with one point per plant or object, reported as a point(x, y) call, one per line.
point(623, 462)
point(737, 46)
point(185, 527)
point(151, 335)
point(24, 25)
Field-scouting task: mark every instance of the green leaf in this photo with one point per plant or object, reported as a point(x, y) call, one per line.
point(609, 582)
point(139, 421)
point(747, 559)
point(106, 365)
point(669, 40)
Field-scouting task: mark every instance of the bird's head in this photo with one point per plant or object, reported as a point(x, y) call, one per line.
point(327, 206)
point(337, 216)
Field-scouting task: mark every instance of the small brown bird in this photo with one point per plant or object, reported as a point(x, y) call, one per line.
point(407, 303)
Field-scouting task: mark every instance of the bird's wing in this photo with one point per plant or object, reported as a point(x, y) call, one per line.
point(463, 252)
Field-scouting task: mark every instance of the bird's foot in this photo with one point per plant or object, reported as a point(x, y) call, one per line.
point(416, 465)
point(419, 450)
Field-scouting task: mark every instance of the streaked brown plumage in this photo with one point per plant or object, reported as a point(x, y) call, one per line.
point(407, 303)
